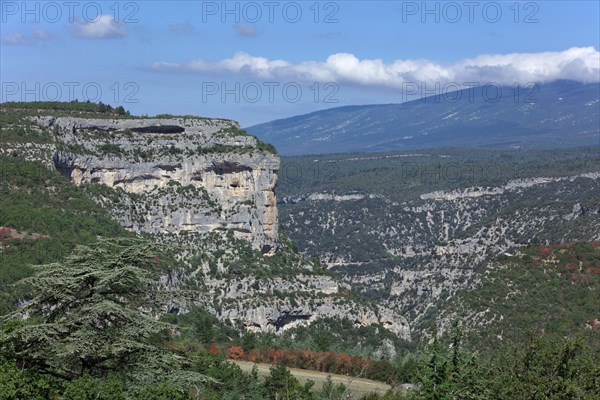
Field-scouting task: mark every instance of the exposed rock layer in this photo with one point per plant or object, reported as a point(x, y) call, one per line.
point(231, 189)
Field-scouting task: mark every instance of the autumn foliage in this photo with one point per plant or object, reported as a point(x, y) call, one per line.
point(212, 349)
point(324, 361)
point(235, 353)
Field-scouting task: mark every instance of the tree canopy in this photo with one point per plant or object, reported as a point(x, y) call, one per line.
point(93, 315)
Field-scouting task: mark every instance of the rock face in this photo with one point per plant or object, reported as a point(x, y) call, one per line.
point(175, 175)
point(207, 188)
point(422, 251)
point(252, 302)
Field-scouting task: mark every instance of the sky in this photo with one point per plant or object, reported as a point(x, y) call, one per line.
point(256, 61)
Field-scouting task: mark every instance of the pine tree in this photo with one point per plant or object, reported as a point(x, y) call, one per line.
point(91, 315)
point(329, 391)
point(282, 385)
point(452, 374)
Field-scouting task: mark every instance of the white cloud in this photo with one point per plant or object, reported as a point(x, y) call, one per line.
point(102, 27)
point(246, 30)
point(15, 38)
point(577, 63)
point(39, 35)
point(42, 34)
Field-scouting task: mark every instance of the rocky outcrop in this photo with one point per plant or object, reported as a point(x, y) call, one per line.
point(278, 318)
point(301, 301)
point(175, 175)
point(512, 185)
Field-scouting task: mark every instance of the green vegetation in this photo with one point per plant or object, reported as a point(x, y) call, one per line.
point(52, 216)
point(260, 145)
point(98, 326)
point(85, 322)
point(336, 335)
point(222, 148)
point(406, 175)
point(84, 318)
point(554, 289)
point(71, 106)
point(17, 128)
point(110, 148)
point(541, 368)
point(387, 227)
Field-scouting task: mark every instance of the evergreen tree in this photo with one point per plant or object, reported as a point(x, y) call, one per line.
point(282, 385)
point(549, 368)
point(255, 390)
point(249, 341)
point(452, 374)
point(329, 391)
point(91, 315)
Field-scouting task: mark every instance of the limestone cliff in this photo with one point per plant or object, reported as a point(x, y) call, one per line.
point(175, 175)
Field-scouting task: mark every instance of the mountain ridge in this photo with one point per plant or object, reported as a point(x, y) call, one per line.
point(557, 114)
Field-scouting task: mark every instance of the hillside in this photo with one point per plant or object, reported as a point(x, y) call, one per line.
point(201, 187)
point(551, 115)
point(408, 231)
point(377, 251)
point(554, 289)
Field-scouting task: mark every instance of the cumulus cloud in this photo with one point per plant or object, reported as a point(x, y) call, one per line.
point(39, 35)
point(577, 63)
point(246, 30)
point(102, 27)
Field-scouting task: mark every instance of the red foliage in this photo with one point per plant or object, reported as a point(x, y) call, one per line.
point(251, 356)
point(324, 361)
point(235, 353)
point(212, 349)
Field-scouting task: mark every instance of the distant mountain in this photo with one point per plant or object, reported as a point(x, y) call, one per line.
point(557, 114)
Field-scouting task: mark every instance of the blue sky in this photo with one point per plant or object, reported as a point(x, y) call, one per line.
point(259, 61)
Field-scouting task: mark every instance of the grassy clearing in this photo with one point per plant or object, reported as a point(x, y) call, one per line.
point(358, 387)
